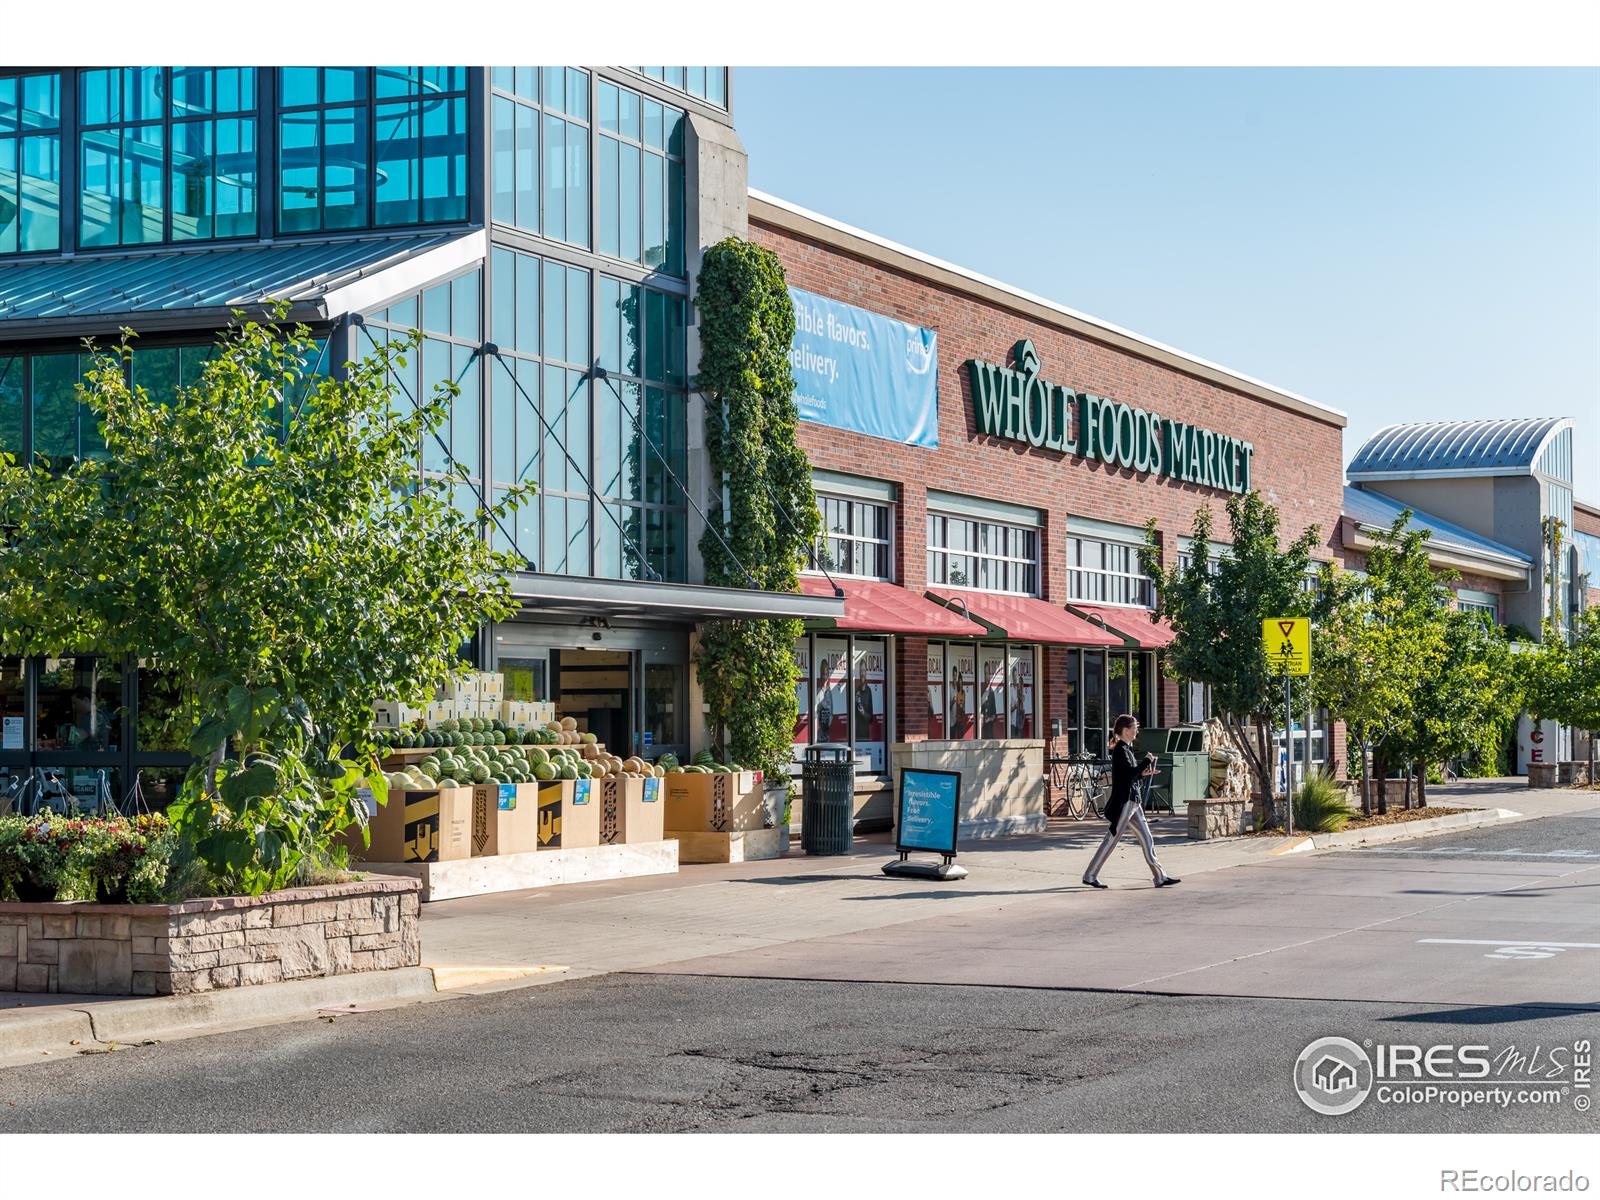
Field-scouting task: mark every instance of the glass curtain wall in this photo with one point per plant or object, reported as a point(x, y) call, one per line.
point(30, 164)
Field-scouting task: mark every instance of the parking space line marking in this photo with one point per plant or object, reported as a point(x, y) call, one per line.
point(1507, 942)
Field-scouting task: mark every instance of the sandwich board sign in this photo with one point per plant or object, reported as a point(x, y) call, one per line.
point(1287, 643)
point(928, 812)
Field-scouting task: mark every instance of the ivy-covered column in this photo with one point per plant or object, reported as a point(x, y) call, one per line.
point(766, 517)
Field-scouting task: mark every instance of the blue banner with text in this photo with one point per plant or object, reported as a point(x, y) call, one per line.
point(865, 372)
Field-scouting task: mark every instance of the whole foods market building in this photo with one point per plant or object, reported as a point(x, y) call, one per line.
point(985, 462)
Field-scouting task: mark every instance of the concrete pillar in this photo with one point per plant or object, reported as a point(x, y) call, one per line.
point(717, 186)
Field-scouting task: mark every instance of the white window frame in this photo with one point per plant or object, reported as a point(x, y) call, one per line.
point(1001, 565)
point(858, 540)
point(1112, 583)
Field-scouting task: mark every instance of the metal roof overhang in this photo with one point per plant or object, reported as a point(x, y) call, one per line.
point(685, 603)
point(201, 288)
point(876, 606)
point(1132, 624)
point(1026, 619)
point(1358, 536)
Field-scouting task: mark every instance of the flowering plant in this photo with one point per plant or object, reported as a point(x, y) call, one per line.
point(110, 859)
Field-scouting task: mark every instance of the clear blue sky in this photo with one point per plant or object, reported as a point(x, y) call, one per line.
point(1405, 245)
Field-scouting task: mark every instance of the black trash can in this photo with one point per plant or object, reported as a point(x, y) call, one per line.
point(827, 800)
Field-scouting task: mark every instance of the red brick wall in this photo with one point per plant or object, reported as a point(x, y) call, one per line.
point(1297, 463)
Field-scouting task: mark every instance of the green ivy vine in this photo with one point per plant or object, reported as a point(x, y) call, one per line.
point(767, 513)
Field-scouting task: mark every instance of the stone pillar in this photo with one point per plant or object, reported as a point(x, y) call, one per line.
point(717, 206)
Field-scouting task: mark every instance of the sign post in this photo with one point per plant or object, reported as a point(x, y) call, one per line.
point(929, 810)
point(1286, 641)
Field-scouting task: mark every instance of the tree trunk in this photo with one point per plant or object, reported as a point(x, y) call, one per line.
point(1269, 787)
point(1422, 786)
point(1366, 781)
point(1411, 771)
point(1380, 772)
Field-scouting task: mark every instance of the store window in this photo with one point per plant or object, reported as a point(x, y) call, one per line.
point(324, 166)
point(13, 705)
point(842, 697)
point(30, 164)
point(856, 538)
point(1106, 572)
point(961, 667)
point(986, 555)
point(1194, 703)
point(983, 691)
point(12, 367)
point(707, 83)
point(1019, 684)
point(64, 428)
point(938, 714)
point(540, 147)
point(163, 725)
point(665, 686)
point(1092, 737)
point(79, 705)
point(640, 179)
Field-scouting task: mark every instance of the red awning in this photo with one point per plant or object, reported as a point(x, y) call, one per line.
point(872, 606)
point(1134, 624)
point(1025, 619)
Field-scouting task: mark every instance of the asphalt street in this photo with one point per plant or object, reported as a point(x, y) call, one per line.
point(1194, 1038)
point(668, 1054)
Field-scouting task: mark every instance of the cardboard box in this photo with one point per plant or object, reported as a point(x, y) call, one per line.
point(569, 814)
point(721, 802)
point(492, 686)
point(432, 825)
point(438, 712)
point(489, 710)
point(544, 711)
point(518, 713)
point(391, 714)
point(505, 818)
point(631, 810)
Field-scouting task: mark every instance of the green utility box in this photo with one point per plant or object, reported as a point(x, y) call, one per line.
point(1185, 767)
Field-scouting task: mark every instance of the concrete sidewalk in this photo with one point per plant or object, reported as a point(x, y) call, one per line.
point(711, 911)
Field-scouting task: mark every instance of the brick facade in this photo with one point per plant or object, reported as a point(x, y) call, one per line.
point(1298, 449)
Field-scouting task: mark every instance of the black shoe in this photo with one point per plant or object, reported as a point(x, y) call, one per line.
point(1168, 881)
point(1095, 883)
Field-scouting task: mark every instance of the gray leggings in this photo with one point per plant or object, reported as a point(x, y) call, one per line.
point(1132, 814)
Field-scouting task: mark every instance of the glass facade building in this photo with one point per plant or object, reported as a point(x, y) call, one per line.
point(532, 223)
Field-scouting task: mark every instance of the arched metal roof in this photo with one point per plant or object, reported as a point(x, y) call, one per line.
point(1484, 447)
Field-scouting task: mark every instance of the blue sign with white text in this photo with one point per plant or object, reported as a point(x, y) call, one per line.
point(865, 372)
point(930, 807)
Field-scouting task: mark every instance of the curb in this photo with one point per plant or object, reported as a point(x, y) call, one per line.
point(32, 1035)
point(1406, 830)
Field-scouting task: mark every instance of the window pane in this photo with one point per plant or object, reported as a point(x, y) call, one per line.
point(555, 159)
point(832, 688)
point(1019, 680)
point(11, 405)
point(867, 684)
point(80, 705)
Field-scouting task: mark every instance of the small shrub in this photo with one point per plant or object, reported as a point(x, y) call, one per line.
point(36, 855)
point(1320, 805)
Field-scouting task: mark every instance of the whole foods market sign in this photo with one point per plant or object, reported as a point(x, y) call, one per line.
point(1017, 404)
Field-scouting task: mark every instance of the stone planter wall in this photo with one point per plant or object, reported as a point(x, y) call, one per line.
point(1216, 816)
point(218, 942)
point(1003, 783)
point(1541, 775)
point(1575, 772)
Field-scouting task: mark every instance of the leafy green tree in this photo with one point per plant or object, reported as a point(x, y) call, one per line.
point(266, 542)
point(767, 520)
point(1464, 698)
point(1216, 605)
point(1381, 638)
point(1560, 677)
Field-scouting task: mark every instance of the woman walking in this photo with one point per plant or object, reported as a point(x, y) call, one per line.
point(1124, 808)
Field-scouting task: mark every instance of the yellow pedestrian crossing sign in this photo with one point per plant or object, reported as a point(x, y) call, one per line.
point(1287, 642)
